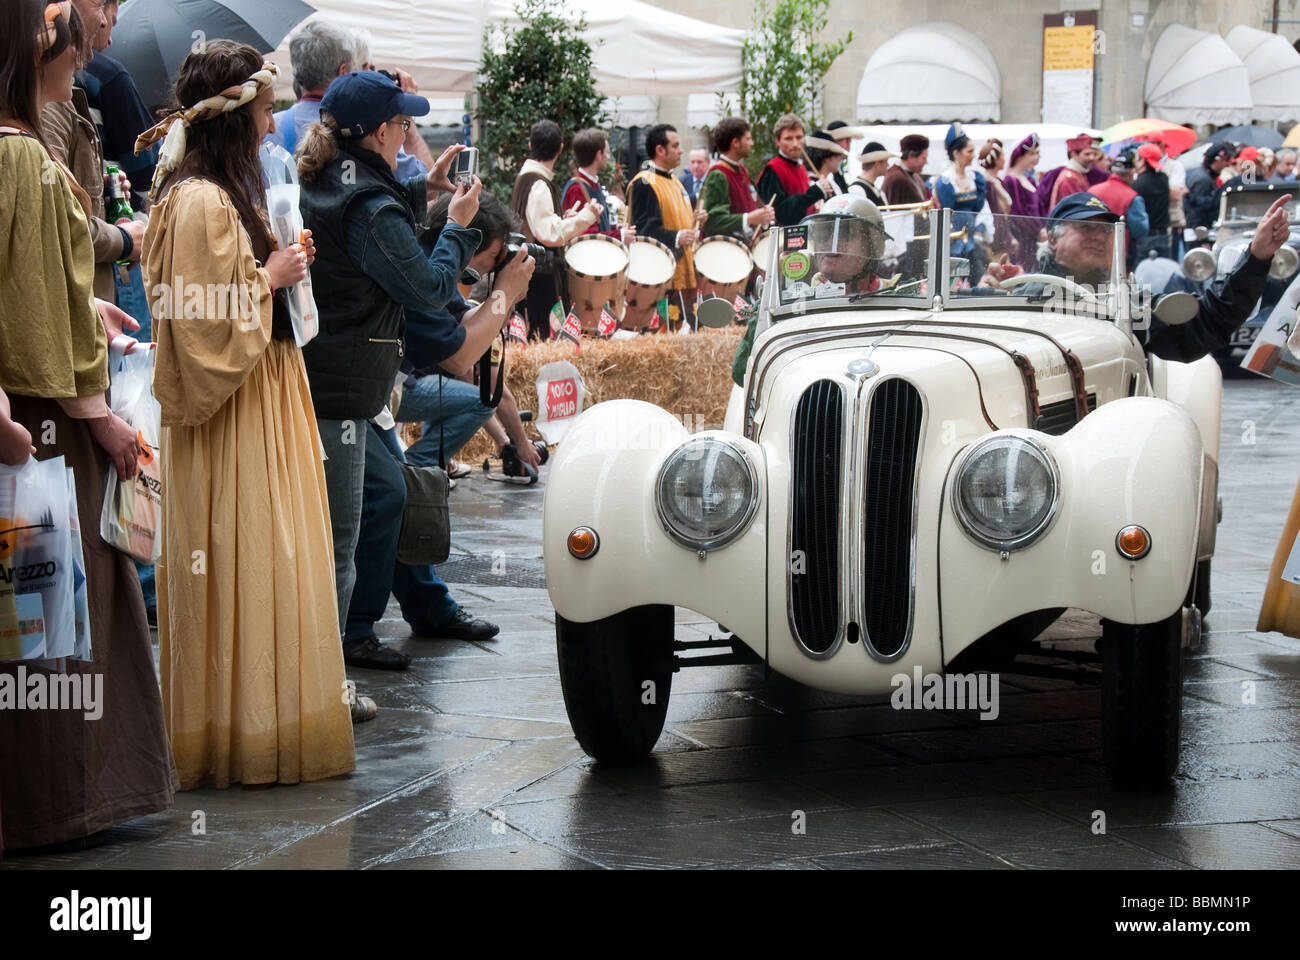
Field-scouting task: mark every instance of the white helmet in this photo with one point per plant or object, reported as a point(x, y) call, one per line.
point(847, 226)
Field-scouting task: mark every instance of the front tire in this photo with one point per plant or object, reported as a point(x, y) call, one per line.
point(617, 675)
point(1142, 700)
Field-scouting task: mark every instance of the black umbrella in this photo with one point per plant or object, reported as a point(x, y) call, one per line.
point(1249, 136)
point(153, 37)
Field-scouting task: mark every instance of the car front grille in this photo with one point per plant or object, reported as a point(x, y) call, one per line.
point(893, 439)
point(814, 562)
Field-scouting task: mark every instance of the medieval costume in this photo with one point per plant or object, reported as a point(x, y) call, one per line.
point(1072, 177)
point(64, 776)
point(659, 210)
point(727, 195)
point(583, 187)
point(963, 192)
point(787, 180)
point(535, 200)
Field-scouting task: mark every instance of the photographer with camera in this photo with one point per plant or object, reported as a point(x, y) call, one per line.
point(369, 271)
point(535, 199)
point(450, 409)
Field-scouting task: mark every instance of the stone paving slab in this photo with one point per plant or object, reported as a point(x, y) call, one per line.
point(472, 764)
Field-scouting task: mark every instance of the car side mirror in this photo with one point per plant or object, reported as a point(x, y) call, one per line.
point(1176, 309)
point(715, 312)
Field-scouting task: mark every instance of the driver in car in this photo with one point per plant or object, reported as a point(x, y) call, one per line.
point(846, 239)
point(1080, 247)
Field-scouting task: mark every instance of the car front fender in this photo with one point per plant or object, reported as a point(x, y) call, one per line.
point(603, 476)
point(1133, 461)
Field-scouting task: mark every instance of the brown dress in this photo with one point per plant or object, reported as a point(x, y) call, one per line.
point(251, 660)
point(63, 776)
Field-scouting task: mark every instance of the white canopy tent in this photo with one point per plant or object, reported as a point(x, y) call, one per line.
point(1051, 140)
point(1273, 66)
point(934, 71)
point(639, 52)
point(1194, 78)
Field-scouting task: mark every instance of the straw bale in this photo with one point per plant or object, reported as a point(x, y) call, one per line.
point(686, 374)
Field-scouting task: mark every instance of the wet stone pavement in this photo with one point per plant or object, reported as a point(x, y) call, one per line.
point(471, 762)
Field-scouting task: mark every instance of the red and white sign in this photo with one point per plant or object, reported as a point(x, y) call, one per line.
point(518, 329)
point(740, 304)
point(607, 324)
point(572, 330)
point(560, 398)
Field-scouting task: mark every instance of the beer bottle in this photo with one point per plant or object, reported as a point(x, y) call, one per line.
point(117, 207)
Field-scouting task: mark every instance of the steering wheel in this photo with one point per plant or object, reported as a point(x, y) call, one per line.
point(1067, 284)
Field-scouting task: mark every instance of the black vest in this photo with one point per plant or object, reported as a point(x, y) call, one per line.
point(353, 360)
point(1153, 188)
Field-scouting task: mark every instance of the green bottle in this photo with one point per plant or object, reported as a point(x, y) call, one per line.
point(117, 209)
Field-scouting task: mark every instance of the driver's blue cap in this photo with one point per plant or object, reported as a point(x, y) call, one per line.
point(1082, 206)
point(364, 100)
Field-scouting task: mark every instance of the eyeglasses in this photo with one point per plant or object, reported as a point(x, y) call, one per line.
point(1093, 228)
point(406, 124)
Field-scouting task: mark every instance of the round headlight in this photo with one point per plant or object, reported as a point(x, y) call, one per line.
point(706, 493)
point(1198, 265)
point(1283, 263)
point(1007, 492)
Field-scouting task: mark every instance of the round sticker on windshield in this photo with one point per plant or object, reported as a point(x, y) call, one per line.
point(796, 266)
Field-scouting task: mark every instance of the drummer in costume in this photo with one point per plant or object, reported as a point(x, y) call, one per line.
point(874, 161)
point(728, 194)
point(591, 151)
point(535, 200)
point(903, 182)
point(661, 210)
point(785, 177)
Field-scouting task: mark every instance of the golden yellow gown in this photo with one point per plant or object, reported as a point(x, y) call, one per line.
point(1280, 610)
point(251, 661)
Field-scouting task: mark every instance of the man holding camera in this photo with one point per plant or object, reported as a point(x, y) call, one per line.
point(535, 200)
point(371, 279)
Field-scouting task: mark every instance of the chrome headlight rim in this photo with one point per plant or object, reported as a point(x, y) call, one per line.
point(968, 524)
point(746, 517)
point(1203, 273)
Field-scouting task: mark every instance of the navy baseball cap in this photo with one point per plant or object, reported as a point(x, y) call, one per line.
point(364, 100)
point(1082, 206)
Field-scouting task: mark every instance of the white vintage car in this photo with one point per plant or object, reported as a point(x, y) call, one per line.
point(917, 472)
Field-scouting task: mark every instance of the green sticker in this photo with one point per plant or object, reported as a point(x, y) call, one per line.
point(796, 265)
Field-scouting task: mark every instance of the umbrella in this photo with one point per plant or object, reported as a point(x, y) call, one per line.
point(1176, 137)
point(1293, 138)
point(1249, 136)
point(153, 37)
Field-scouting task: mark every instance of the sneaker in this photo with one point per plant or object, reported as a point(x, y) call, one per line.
point(460, 626)
point(369, 652)
point(456, 469)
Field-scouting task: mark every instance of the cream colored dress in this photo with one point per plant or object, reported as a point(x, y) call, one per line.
point(252, 665)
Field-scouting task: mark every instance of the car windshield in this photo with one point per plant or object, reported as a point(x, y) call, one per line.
point(1253, 204)
point(1068, 264)
point(838, 257)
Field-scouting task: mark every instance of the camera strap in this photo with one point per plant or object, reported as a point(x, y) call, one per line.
point(487, 395)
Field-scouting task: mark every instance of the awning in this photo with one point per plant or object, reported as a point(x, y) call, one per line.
point(637, 49)
point(1273, 66)
point(1194, 77)
point(934, 71)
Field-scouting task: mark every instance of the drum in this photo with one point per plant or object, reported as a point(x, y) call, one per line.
point(650, 269)
point(597, 275)
point(762, 250)
point(723, 265)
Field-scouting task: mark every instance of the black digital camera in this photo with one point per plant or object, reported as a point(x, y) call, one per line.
point(514, 243)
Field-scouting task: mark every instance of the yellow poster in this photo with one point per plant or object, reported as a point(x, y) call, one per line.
point(1068, 48)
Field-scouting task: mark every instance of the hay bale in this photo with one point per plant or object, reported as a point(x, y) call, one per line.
point(689, 375)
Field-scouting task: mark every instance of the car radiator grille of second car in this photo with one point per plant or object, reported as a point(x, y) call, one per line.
point(814, 563)
point(893, 436)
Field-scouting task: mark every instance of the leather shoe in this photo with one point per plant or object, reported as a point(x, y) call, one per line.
point(459, 626)
point(369, 652)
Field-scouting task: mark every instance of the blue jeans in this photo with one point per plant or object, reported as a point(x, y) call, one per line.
point(424, 598)
point(452, 421)
point(345, 465)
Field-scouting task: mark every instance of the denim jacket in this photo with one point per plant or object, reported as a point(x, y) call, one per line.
point(370, 277)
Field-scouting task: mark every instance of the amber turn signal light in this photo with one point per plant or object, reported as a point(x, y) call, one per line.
point(1133, 542)
point(583, 542)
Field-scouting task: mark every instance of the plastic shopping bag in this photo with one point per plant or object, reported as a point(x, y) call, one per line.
point(286, 223)
point(131, 519)
point(36, 562)
point(80, 598)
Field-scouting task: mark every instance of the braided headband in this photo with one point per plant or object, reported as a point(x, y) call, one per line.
point(228, 100)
